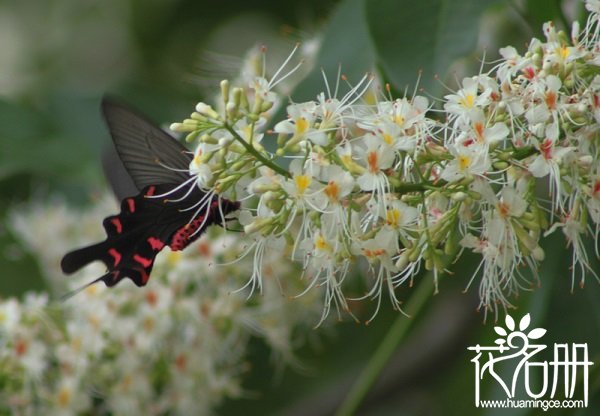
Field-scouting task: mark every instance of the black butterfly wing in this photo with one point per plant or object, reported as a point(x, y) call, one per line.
point(150, 156)
point(158, 165)
point(134, 237)
point(114, 171)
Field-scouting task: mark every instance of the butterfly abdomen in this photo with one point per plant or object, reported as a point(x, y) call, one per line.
point(187, 234)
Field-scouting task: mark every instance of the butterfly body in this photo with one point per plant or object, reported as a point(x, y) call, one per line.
point(169, 210)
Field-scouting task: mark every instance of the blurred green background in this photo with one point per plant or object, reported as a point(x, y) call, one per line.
point(58, 57)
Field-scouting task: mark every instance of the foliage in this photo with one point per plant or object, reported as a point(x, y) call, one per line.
point(51, 81)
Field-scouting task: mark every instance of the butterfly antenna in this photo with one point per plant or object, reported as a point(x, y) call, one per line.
point(72, 293)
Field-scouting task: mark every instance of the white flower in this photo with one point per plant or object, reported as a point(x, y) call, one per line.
point(574, 230)
point(119, 337)
point(482, 133)
point(376, 158)
point(549, 160)
point(10, 315)
point(510, 204)
point(550, 156)
point(379, 252)
point(333, 111)
point(468, 161)
point(512, 65)
point(593, 200)
point(199, 168)
point(398, 215)
point(301, 187)
point(262, 88)
point(324, 270)
point(69, 398)
point(339, 184)
point(467, 99)
point(301, 124)
point(30, 353)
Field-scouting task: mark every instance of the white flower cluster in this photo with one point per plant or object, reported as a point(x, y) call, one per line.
point(176, 346)
point(403, 185)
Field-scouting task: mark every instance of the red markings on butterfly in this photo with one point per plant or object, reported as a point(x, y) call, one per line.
point(131, 204)
point(186, 234)
point(117, 223)
point(150, 191)
point(142, 260)
point(155, 243)
point(144, 275)
point(116, 255)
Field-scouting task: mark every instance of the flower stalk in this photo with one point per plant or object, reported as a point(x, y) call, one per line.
point(401, 184)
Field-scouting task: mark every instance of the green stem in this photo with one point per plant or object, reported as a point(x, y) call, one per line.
point(406, 187)
point(386, 349)
point(250, 149)
point(524, 152)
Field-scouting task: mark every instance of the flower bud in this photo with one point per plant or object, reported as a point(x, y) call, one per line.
point(256, 225)
point(237, 166)
point(436, 149)
point(225, 141)
point(258, 102)
point(452, 243)
point(192, 136)
point(439, 260)
point(225, 90)
point(585, 161)
point(207, 138)
point(266, 106)
point(190, 122)
point(402, 261)
point(231, 110)
point(414, 254)
point(538, 254)
point(429, 264)
point(243, 99)
point(500, 165)
point(198, 117)
point(474, 195)
point(528, 241)
point(207, 111)
point(178, 127)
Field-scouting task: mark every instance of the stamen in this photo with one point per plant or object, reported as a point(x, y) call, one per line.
point(186, 182)
point(273, 81)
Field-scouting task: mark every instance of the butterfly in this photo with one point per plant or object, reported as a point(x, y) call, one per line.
point(168, 208)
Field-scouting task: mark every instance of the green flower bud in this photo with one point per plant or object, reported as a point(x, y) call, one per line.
point(225, 91)
point(266, 106)
point(207, 138)
point(192, 136)
point(538, 254)
point(500, 165)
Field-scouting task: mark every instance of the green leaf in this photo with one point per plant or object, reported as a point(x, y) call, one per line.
point(20, 272)
point(427, 35)
point(57, 143)
point(542, 11)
